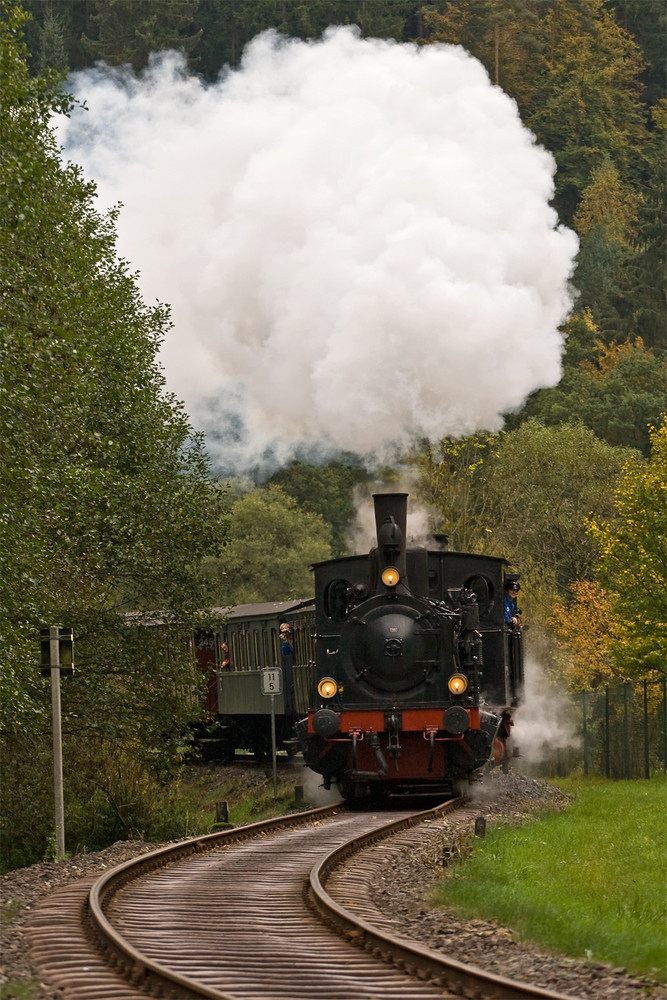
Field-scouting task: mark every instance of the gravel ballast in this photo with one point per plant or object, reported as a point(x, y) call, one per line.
point(404, 894)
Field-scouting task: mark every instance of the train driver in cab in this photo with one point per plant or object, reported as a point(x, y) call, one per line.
point(512, 613)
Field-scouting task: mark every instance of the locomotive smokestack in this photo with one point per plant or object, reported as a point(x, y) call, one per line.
point(391, 511)
point(391, 505)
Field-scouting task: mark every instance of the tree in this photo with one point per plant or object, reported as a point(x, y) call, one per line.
point(577, 76)
point(642, 280)
point(52, 51)
point(272, 544)
point(582, 627)
point(106, 504)
point(587, 107)
point(127, 32)
point(227, 28)
point(608, 205)
point(605, 220)
point(450, 484)
point(632, 546)
point(542, 484)
point(508, 38)
point(616, 389)
point(327, 490)
point(646, 22)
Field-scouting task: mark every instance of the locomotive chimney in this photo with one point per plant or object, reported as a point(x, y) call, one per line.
point(390, 521)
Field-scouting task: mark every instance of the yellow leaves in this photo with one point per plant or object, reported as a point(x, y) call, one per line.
point(582, 629)
point(608, 204)
point(625, 625)
point(609, 356)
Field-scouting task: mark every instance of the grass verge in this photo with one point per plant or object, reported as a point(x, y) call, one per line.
point(588, 881)
point(189, 809)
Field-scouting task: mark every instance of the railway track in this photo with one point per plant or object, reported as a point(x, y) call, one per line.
point(275, 910)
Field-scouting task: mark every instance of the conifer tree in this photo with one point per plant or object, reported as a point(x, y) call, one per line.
point(127, 32)
point(52, 50)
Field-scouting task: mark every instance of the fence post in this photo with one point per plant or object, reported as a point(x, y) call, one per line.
point(647, 764)
point(583, 709)
point(626, 732)
point(607, 767)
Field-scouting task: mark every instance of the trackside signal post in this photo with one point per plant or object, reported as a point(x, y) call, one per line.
point(57, 649)
point(272, 684)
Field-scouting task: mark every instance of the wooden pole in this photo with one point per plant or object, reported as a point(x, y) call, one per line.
point(54, 642)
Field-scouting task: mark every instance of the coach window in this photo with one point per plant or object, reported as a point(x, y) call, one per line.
point(245, 640)
point(301, 643)
point(335, 599)
point(483, 590)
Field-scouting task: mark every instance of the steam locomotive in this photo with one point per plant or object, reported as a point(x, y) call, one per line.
point(416, 670)
point(402, 673)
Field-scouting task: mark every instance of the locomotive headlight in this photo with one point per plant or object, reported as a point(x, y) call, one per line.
point(327, 687)
point(390, 576)
point(457, 683)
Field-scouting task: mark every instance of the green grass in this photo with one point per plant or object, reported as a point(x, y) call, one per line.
point(590, 881)
point(188, 809)
point(21, 989)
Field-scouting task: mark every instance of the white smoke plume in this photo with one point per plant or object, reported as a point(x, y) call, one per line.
point(354, 235)
point(312, 785)
point(545, 721)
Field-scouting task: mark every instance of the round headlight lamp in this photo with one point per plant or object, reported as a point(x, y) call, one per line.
point(327, 687)
point(390, 576)
point(457, 684)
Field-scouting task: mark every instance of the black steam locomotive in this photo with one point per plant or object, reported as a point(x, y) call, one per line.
point(415, 671)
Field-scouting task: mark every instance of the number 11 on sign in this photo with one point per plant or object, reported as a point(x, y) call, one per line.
point(272, 681)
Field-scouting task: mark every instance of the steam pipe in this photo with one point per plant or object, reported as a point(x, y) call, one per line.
point(374, 740)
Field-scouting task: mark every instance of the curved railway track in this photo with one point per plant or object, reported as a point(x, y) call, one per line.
point(274, 910)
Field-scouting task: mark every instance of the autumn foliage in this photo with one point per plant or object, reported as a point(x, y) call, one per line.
point(615, 627)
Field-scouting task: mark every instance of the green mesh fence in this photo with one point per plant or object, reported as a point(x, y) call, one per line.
point(621, 733)
point(624, 731)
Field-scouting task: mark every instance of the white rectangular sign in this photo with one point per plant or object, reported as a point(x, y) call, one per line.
point(272, 680)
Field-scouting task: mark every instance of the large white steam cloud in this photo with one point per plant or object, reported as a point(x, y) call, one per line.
point(355, 238)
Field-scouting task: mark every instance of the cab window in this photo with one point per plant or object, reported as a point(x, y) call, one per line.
point(482, 588)
point(335, 600)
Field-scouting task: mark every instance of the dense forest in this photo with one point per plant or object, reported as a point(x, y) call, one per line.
point(95, 449)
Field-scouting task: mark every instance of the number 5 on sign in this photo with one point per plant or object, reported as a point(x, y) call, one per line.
point(272, 680)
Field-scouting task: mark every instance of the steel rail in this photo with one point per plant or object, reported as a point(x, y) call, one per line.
point(140, 971)
point(464, 980)
point(154, 979)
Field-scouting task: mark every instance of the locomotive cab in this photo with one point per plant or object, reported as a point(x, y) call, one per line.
point(411, 659)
